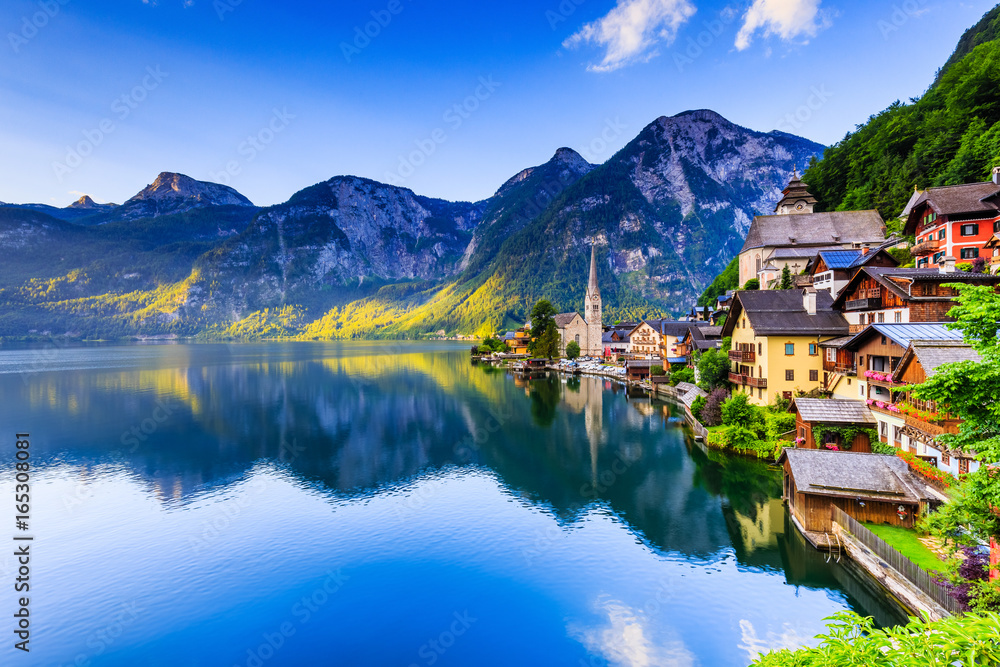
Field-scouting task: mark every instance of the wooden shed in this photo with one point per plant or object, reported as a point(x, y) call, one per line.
point(830, 418)
point(872, 488)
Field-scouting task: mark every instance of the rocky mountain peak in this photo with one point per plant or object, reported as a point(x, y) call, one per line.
point(570, 157)
point(172, 186)
point(86, 203)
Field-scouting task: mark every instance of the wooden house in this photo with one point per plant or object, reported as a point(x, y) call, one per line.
point(954, 221)
point(831, 270)
point(894, 295)
point(821, 424)
point(639, 369)
point(924, 421)
point(872, 488)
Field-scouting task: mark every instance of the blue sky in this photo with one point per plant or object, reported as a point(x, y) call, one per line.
point(99, 96)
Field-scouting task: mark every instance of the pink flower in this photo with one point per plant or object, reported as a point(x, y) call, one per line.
point(870, 402)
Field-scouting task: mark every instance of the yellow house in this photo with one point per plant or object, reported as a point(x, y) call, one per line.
point(776, 341)
point(517, 341)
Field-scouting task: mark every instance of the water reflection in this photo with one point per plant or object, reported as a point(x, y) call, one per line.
point(373, 423)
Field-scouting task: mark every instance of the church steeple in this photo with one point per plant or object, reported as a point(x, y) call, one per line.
point(797, 198)
point(593, 291)
point(592, 310)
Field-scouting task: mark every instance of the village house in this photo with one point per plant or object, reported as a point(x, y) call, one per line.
point(517, 341)
point(925, 421)
point(672, 333)
point(776, 341)
point(796, 233)
point(954, 221)
point(822, 423)
point(698, 340)
point(866, 363)
point(896, 295)
point(615, 344)
point(644, 342)
point(831, 270)
point(871, 488)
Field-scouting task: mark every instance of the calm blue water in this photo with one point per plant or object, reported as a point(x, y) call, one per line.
point(386, 504)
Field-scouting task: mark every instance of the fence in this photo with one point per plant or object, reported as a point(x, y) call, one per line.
point(915, 574)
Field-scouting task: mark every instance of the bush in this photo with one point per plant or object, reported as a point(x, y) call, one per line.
point(572, 350)
point(656, 370)
point(683, 375)
point(713, 369)
point(779, 423)
point(780, 404)
point(697, 406)
point(752, 284)
point(879, 447)
point(711, 414)
point(739, 411)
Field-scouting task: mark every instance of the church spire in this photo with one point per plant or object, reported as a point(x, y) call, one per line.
point(592, 289)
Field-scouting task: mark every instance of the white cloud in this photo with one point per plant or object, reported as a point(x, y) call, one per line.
point(631, 31)
point(787, 19)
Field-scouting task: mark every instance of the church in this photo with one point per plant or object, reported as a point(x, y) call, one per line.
point(588, 330)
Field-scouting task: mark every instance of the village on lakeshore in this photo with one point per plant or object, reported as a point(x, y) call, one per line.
point(834, 323)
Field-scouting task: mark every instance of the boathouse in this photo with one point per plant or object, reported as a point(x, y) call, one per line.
point(872, 488)
point(833, 423)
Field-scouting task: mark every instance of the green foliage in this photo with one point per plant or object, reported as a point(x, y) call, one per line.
point(656, 370)
point(729, 279)
point(851, 640)
point(544, 333)
point(949, 136)
point(778, 423)
point(697, 405)
point(752, 284)
point(713, 369)
point(879, 447)
point(684, 374)
point(786, 278)
point(969, 390)
point(572, 350)
point(844, 434)
point(490, 345)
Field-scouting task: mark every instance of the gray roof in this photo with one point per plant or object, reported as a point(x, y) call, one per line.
point(837, 342)
point(563, 319)
point(678, 329)
point(776, 312)
point(854, 475)
point(812, 229)
point(800, 252)
point(832, 411)
point(934, 353)
point(884, 275)
point(965, 198)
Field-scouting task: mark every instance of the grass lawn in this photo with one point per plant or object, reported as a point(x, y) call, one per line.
point(907, 542)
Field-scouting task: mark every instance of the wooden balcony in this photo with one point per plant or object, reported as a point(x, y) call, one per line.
point(925, 248)
point(933, 428)
point(743, 356)
point(757, 382)
point(846, 370)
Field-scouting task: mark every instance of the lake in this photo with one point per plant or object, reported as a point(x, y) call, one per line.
point(387, 504)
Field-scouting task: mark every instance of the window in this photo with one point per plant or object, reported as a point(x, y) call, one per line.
point(970, 253)
point(760, 348)
point(899, 316)
point(814, 376)
point(883, 429)
point(963, 466)
point(787, 395)
point(831, 354)
point(897, 434)
point(881, 317)
point(922, 263)
point(970, 230)
point(760, 393)
point(578, 339)
point(802, 432)
point(996, 227)
point(789, 349)
point(945, 457)
point(938, 256)
point(789, 376)
point(942, 234)
point(813, 350)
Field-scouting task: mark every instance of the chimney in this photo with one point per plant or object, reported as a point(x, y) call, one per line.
point(809, 300)
point(947, 265)
point(996, 175)
point(864, 251)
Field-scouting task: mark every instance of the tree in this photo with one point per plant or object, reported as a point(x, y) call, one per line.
point(684, 374)
point(752, 284)
point(573, 350)
point(713, 369)
point(786, 278)
point(969, 391)
point(544, 331)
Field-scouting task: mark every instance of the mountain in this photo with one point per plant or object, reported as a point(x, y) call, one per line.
point(174, 193)
point(351, 257)
point(948, 136)
point(85, 203)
